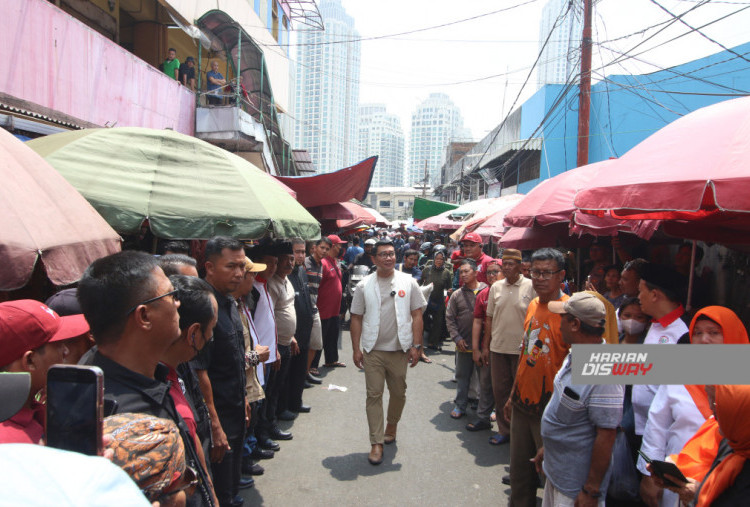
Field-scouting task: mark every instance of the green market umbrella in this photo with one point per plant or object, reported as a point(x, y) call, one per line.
point(185, 187)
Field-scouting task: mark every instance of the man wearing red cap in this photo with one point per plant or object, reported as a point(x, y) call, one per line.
point(31, 336)
point(329, 302)
point(472, 247)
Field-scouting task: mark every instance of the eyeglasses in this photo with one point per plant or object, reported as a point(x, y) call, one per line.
point(175, 297)
point(544, 275)
point(493, 272)
point(386, 255)
point(187, 482)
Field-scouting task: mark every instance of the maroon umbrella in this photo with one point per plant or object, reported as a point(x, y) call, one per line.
point(43, 217)
point(551, 202)
point(692, 174)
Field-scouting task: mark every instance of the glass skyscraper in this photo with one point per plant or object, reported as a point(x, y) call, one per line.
point(327, 90)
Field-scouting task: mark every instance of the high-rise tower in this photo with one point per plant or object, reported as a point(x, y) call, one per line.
point(435, 123)
point(327, 90)
point(380, 133)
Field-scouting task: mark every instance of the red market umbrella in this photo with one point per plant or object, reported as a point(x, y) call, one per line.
point(42, 217)
point(695, 168)
point(551, 202)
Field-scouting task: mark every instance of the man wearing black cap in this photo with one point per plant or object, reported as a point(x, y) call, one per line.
point(660, 291)
point(187, 73)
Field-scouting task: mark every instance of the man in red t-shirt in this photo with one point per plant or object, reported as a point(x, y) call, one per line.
point(472, 248)
point(329, 302)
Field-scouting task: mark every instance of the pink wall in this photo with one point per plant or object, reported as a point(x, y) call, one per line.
point(55, 61)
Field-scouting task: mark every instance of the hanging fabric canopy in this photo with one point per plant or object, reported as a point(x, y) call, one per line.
point(331, 188)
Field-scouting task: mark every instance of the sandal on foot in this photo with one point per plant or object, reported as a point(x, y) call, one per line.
point(498, 439)
point(425, 359)
point(457, 413)
point(335, 365)
point(478, 425)
point(315, 371)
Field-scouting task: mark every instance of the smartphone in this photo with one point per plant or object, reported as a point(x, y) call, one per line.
point(75, 406)
point(659, 468)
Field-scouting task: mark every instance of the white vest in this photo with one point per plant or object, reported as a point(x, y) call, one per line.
point(401, 284)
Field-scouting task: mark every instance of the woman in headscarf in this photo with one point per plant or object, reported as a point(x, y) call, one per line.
point(440, 276)
point(677, 411)
point(727, 481)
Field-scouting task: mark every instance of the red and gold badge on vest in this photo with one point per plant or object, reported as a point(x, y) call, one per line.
point(401, 293)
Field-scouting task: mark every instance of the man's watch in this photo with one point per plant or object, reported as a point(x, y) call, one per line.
point(417, 346)
point(592, 494)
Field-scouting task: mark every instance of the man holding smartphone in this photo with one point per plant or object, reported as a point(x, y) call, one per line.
point(580, 422)
point(31, 336)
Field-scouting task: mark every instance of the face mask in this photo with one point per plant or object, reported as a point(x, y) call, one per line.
point(632, 326)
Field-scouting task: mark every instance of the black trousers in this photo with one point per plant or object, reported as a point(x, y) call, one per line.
point(291, 395)
point(330, 329)
point(274, 384)
point(227, 472)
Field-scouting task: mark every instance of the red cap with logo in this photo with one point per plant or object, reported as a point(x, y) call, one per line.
point(472, 237)
point(336, 239)
point(27, 324)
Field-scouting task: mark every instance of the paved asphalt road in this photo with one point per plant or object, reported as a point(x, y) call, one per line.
point(434, 461)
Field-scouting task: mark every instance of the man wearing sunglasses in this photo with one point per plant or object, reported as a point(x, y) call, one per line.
point(131, 307)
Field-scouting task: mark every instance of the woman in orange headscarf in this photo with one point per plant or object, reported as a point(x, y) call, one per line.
point(728, 482)
point(677, 412)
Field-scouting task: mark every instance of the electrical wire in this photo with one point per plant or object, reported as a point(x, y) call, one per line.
point(417, 30)
point(560, 17)
point(722, 46)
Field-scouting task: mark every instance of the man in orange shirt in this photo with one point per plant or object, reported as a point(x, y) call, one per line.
point(542, 354)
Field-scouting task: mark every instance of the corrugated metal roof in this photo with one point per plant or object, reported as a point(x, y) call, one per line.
point(31, 114)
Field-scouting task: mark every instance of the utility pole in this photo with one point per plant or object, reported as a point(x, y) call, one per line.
point(584, 100)
point(425, 180)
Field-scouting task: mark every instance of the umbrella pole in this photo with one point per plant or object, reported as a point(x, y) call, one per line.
point(154, 244)
point(689, 306)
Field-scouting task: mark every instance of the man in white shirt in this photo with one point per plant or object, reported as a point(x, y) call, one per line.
point(386, 331)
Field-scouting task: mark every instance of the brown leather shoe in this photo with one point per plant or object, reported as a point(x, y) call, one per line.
point(390, 433)
point(376, 454)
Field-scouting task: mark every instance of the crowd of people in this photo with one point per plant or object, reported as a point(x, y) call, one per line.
point(204, 350)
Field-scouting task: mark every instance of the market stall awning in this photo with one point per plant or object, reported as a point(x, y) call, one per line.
point(426, 208)
point(331, 188)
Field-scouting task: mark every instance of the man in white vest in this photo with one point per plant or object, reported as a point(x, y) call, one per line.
point(386, 330)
